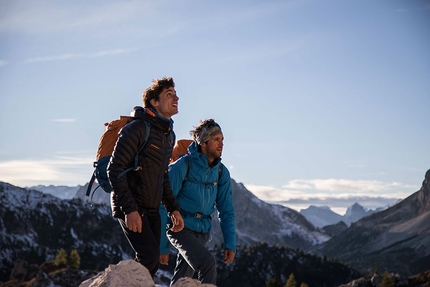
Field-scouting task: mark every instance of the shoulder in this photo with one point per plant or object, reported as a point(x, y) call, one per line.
point(224, 173)
point(180, 162)
point(136, 124)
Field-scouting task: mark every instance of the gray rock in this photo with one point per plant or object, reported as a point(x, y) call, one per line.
point(125, 273)
point(189, 282)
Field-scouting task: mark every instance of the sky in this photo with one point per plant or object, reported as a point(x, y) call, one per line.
point(321, 103)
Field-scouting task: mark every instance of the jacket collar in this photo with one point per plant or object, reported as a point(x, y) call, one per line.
point(202, 159)
point(153, 117)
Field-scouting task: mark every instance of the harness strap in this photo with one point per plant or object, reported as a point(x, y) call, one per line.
point(195, 215)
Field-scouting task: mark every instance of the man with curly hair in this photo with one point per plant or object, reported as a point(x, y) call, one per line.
point(136, 195)
point(200, 183)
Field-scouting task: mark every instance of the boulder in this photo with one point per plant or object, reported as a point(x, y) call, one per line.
point(126, 273)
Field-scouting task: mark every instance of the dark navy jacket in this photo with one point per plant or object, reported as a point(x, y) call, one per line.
point(142, 190)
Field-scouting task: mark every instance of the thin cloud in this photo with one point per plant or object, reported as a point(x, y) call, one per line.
point(80, 55)
point(338, 194)
point(31, 17)
point(3, 63)
point(112, 52)
point(335, 185)
point(60, 170)
point(63, 120)
point(268, 193)
point(55, 58)
point(401, 10)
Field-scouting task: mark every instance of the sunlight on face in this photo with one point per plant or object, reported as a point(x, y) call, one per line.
point(213, 147)
point(167, 104)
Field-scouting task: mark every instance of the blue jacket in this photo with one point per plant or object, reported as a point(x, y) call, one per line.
point(199, 194)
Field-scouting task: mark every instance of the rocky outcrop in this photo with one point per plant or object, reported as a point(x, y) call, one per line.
point(424, 193)
point(125, 273)
point(132, 274)
point(188, 282)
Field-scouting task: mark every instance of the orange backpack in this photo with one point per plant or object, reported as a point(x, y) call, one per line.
point(180, 149)
point(104, 152)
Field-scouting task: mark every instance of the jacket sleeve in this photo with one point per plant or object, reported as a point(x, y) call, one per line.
point(177, 173)
point(164, 242)
point(226, 216)
point(169, 200)
point(125, 149)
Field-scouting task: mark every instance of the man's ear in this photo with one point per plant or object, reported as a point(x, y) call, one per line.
point(154, 103)
point(203, 148)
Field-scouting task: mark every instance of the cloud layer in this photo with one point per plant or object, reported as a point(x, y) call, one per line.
point(338, 194)
point(59, 170)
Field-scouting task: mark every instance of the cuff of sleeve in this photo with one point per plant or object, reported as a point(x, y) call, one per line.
point(231, 247)
point(170, 213)
point(164, 250)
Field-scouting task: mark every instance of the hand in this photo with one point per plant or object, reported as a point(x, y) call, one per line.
point(164, 259)
point(228, 256)
point(178, 222)
point(133, 221)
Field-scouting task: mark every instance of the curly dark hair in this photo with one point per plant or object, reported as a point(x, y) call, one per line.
point(153, 92)
point(206, 124)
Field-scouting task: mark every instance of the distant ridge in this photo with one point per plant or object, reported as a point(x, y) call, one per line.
point(396, 239)
point(321, 216)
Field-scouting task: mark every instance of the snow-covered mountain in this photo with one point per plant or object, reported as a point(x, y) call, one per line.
point(321, 216)
point(63, 192)
point(34, 226)
point(256, 221)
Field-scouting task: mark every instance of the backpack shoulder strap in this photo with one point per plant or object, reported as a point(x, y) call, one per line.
point(220, 171)
point(136, 157)
point(147, 131)
point(187, 160)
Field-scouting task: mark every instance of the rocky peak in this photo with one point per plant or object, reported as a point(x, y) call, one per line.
point(424, 192)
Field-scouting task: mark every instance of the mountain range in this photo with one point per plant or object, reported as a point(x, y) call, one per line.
point(396, 238)
point(321, 216)
point(35, 225)
point(256, 220)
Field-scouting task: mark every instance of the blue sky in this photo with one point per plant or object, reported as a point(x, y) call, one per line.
point(321, 102)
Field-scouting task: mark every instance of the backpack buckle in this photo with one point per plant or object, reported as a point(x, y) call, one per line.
point(138, 168)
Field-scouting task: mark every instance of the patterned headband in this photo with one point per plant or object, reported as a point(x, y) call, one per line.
point(208, 132)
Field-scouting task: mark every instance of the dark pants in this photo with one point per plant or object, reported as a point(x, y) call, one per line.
point(193, 256)
point(147, 243)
